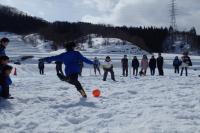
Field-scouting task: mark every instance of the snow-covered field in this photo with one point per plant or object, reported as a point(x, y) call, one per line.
point(43, 104)
point(151, 104)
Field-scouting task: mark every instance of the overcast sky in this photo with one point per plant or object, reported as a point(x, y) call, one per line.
point(115, 12)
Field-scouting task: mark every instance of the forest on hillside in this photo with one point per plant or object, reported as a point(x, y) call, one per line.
point(148, 38)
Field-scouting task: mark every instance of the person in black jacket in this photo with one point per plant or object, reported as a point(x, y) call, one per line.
point(186, 62)
point(41, 67)
point(176, 64)
point(152, 65)
point(59, 67)
point(124, 62)
point(135, 65)
point(160, 62)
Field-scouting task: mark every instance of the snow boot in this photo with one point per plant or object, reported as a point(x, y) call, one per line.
point(83, 93)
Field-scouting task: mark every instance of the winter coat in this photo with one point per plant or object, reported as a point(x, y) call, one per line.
point(124, 62)
point(41, 65)
point(176, 63)
point(135, 63)
point(152, 63)
point(71, 60)
point(107, 65)
point(160, 62)
point(2, 50)
point(186, 61)
point(144, 64)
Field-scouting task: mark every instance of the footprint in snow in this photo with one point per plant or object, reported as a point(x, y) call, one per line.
point(133, 92)
point(31, 126)
point(105, 115)
point(77, 120)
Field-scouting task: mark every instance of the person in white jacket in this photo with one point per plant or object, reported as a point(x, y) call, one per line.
point(108, 67)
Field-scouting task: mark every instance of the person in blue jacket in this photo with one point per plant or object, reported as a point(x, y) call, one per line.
point(71, 61)
point(176, 64)
point(3, 44)
point(5, 82)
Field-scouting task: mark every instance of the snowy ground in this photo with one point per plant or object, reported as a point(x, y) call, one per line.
point(43, 104)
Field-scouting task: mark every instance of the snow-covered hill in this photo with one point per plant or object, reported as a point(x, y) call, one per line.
point(101, 45)
point(18, 47)
point(37, 41)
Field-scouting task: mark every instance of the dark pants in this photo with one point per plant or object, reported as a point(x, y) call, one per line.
point(41, 71)
point(59, 70)
point(96, 68)
point(125, 71)
point(186, 72)
point(5, 92)
point(152, 70)
point(160, 71)
point(106, 74)
point(135, 71)
point(72, 79)
point(176, 70)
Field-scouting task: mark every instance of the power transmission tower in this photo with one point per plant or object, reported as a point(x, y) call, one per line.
point(173, 29)
point(173, 14)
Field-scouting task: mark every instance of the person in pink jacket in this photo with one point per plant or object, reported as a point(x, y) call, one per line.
point(144, 65)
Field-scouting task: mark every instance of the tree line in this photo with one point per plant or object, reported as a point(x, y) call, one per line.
point(148, 38)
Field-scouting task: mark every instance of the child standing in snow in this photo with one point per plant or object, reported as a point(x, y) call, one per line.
point(152, 65)
point(176, 64)
point(160, 63)
point(5, 82)
point(135, 65)
point(3, 44)
point(41, 67)
point(124, 62)
point(186, 62)
point(108, 67)
point(144, 65)
point(71, 59)
point(97, 66)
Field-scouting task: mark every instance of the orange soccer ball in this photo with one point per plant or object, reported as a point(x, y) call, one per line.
point(96, 93)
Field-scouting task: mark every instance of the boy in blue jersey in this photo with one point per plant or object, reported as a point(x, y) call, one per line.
point(71, 61)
